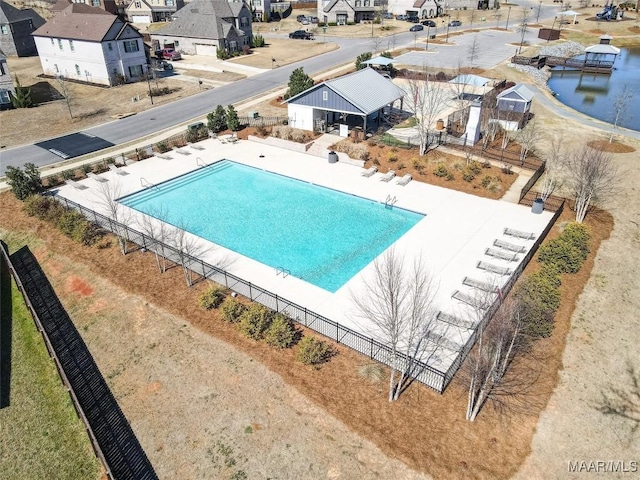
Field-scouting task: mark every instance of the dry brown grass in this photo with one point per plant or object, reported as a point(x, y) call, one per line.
point(423, 429)
point(610, 147)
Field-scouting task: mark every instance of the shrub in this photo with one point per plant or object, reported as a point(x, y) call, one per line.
point(358, 151)
point(24, 182)
point(450, 176)
point(475, 167)
point(281, 131)
point(86, 233)
point(163, 147)
point(468, 175)
point(313, 352)
point(262, 130)
point(232, 309)
point(68, 222)
point(212, 297)
point(486, 181)
point(86, 168)
point(539, 298)
point(567, 252)
point(257, 41)
point(401, 166)
point(255, 321)
point(38, 206)
point(392, 158)
point(68, 174)
point(441, 170)
point(281, 333)
point(217, 120)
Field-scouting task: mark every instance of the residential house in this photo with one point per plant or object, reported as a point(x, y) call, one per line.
point(203, 26)
point(6, 83)
point(149, 11)
point(343, 12)
point(112, 6)
point(343, 104)
point(513, 106)
point(15, 30)
point(260, 9)
point(91, 45)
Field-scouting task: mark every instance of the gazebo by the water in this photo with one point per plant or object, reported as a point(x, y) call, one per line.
point(602, 54)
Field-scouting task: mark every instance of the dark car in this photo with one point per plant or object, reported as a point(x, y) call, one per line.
point(301, 34)
point(413, 19)
point(401, 17)
point(455, 23)
point(416, 28)
point(301, 17)
point(428, 23)
point(387, 16)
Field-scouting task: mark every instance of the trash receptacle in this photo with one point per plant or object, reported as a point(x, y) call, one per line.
point(333, 157)
point(538, 206)
point(432, 37)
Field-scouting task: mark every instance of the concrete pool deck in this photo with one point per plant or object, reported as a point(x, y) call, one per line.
point(453, 237)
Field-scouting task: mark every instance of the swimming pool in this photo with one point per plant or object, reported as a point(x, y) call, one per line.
point(321, 236)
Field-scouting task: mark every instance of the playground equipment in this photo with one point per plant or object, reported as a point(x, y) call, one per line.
point(610, 12)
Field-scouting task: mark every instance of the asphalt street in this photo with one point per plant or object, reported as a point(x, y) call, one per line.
point(492, 50)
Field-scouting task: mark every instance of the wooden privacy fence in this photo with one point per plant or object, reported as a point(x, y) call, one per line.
point(375, 350)
point(263, 121)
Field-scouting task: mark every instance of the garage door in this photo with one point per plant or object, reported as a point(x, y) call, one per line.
point(141, 19)
point(209, 50)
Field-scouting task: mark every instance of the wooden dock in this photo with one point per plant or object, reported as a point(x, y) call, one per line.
point(585, 65)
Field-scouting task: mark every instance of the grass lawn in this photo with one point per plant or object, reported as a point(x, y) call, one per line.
point(40, 433)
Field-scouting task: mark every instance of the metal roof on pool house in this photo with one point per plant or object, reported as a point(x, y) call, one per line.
point(362, 92)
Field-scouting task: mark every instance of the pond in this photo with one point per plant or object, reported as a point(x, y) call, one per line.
point(595, 95)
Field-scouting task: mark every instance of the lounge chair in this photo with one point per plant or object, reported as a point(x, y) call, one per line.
point(388, 176)
point(97, 178)
point(369, 172)
point(119, 171)
point(75, 184)
point(404, 180)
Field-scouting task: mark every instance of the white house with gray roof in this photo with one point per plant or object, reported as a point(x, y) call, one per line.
point(87, 44)
point(202, 27)
point(357, 99)
point(356, 11)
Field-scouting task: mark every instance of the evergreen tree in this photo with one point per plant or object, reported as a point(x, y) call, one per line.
point(24, 182)
point(233, 123)
point(217, 120)
point(298, 82)
point(363, 57)
point(22, 96)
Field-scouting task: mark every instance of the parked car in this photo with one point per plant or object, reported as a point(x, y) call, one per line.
point(455, 23)
point(301, 34)
point(428, 23)
point(413, 19)
point(170, 54)
point(387, 15)
point(401, 17)
point(416, 28)
point(300, 18)
point(313, 19)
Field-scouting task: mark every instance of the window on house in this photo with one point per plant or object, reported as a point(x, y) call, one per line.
point(135, 71)
point(325, 96)
point(5, 29)
point(71, 45)
point(4, 96)
point(78, 70)
point(366, 3)
point(131, 46)
point(95, 3)
point(60, 43)
point(52, 42)
point(170, 3)
point(110, 46)
point(176, 43)
point(2, 68)
point(138, 5)
point(233, 46)
point(358, 3)
point(244, 22)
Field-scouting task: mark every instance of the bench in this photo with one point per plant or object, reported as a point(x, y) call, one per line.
point(518, 234)
point(509, 257)
point(490, 267)
point(512, 247)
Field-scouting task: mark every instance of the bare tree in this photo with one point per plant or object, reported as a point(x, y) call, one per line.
point(592, 177)
point(524, 20)
point(66, 91)
point(473, 51)
point(621, 106)
point(425, 101)
point(500, 345)
point(377, 43)
point(156, 228)
point(187, 248)
point(624, 402)
point(472, 17)
point(108, 195)
point(528, 138)
point(555, 157)
point(399, 305)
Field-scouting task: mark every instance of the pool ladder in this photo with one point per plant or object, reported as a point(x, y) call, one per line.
point(390, 201)
point(283, 271)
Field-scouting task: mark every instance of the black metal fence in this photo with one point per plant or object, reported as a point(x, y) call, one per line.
point(422, 372)
point(532, 181)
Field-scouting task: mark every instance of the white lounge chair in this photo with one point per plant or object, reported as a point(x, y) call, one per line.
point(404, 180)
point(75, 184)
point(119, 171)
point(97, 178)
point(369, 172)
point(388, 176)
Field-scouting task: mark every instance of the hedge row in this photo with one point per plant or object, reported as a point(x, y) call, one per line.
point(263, 324)
point(539, 293)
point(68, 221)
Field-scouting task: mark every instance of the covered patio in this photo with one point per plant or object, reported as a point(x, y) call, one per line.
point(355, 101)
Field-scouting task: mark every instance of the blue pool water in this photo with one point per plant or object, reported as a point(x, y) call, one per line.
point(322, 236)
